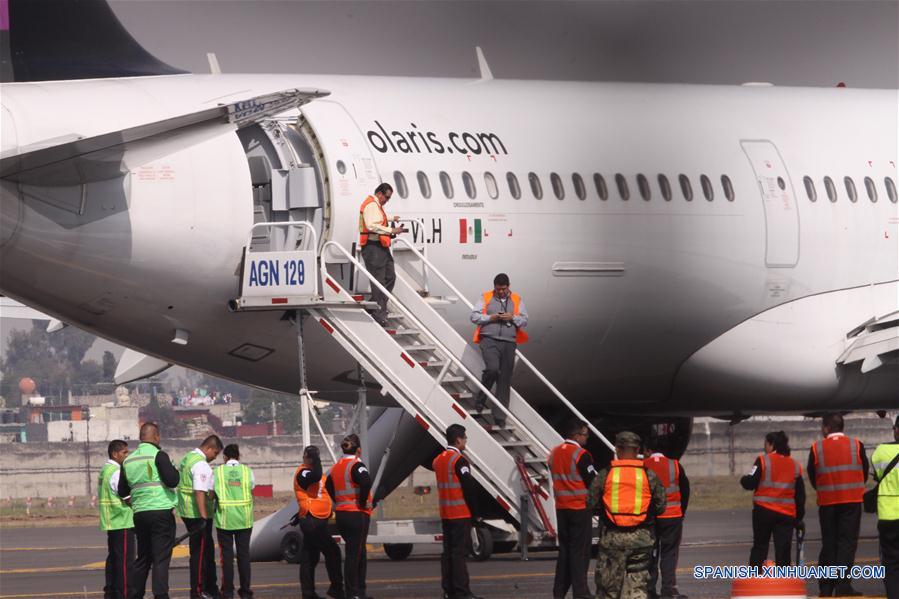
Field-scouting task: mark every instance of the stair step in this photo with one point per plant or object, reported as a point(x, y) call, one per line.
point(396, 315)
point(403, 332)
point(421, 348)
point(433, 364)
point(484, 412)
point(516, 443)
point(534, 460)
point(451, 378)
point(461, 395)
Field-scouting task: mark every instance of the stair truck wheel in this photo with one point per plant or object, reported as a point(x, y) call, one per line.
point(398, 551)
point(291, 546)
point(481, 544)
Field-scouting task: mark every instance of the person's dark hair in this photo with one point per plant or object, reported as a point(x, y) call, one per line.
point(147, 430)
point(501, 279)
point(350, 443)
point(384, 188)
point(780, 442)
point(833, 422)
point(232, 451)
point(454, 432)
point(212, 441)
point(312, 451)
point(116, 446)
point(574, 426)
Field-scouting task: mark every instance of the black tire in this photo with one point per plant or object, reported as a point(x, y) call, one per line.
point(291, 546)
point(398, 551)
point(481, 544)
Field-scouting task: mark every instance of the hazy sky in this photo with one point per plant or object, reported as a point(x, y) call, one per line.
point(812, 42)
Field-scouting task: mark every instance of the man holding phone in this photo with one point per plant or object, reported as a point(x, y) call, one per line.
point(501, 318)
point(375, 234)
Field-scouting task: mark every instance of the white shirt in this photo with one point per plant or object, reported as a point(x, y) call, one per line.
point(252, 476)
point(114, 479)
point(202, 474)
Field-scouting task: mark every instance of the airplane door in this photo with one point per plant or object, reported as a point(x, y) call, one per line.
point(778, 201)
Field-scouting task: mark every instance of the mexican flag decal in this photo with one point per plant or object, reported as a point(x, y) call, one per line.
point(470, 229)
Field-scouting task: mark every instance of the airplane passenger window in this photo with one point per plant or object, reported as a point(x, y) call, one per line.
point(643, 184)
point(424, 184)
point(728, 188)
point(685, 187)
point(850, 189)
point(447, 184)
point(872, 191)
point(810, 188)
point(601, 188)
point(558, 189)
point(623, 190)
point(579, 188)
point(490, 182)
point(468, 182)
point(831, 189)
point(707, 190)
point(536, 188)
point(665, 186)
point(341, 167)
point(514, 188)
point(891, 188)
point(401, 188)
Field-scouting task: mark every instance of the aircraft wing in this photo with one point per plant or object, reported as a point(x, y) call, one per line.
point(10, 308)
point(17, 163)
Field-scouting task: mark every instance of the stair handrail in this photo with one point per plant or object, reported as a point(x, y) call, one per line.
point(431, 336)
point(518, 352)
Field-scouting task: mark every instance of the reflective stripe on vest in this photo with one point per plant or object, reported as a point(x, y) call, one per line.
point(187, 501)
point(668, 471)
point(314, 499)
point(234, 491)
point(568, 486)
point(363, 229)
point(147, 491)
point(627, 495)
point(839, 476)
point(115, 514)
point(888, 489)
point(449, 487)
point(520, 335)
point(777, 484)
point(345, 490)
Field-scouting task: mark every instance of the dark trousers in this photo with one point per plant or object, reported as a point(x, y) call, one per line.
point(453, 569)
point(499, 360)
point(889, 555)
point(665, 552)
point(202, 557)
point(575, 534)
point(839, 539)
point(766, 522)
point(316, 541)
point(227, 541)
point(155, 532)
point(379, 262)
point(119, 563)
point(353, 527)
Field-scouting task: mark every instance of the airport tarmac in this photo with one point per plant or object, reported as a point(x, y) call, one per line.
point(68, 562)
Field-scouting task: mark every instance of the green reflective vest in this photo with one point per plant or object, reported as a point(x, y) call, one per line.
point(115, 514)
point(888, 491)
point(187, 501)
point(148, 492)
point(234, 491)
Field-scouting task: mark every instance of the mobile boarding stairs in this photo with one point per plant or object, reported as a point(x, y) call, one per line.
point(424, 364)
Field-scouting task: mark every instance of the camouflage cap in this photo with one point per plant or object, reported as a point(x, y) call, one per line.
point(627, 439)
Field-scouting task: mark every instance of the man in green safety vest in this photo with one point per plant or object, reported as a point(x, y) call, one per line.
point(888, 509)
point(233, 486)
point(195, 506)
point(117, 520)
point(149, 478)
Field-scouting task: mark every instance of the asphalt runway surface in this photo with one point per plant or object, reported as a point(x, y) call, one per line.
point(68, 562)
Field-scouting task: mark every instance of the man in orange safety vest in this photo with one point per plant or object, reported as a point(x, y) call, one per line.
point(375, 235)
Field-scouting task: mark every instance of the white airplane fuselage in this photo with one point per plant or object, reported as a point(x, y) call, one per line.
point(637, 305)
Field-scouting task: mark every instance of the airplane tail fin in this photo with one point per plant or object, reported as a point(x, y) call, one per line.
point(52, 40)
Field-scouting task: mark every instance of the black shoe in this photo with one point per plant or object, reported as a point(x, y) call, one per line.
point(846, 591)
point(674, 595)
point(481, 402)
point(336, 593)
point(499, 424)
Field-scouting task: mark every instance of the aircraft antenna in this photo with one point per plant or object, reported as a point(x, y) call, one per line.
point(486, 73)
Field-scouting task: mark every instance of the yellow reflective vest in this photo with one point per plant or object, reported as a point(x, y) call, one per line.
point(888, 491)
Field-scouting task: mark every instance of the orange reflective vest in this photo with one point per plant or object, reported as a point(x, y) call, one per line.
point(345, 490)
point(568, 486)
point(668, 471)
point(313, 500)
point(777, 483)
point(449, 487)
point(839, 476)
point(520, 335)
point(363, 230)
point(627, 496)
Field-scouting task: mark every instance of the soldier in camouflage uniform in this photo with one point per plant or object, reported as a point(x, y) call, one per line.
point(622, 566)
